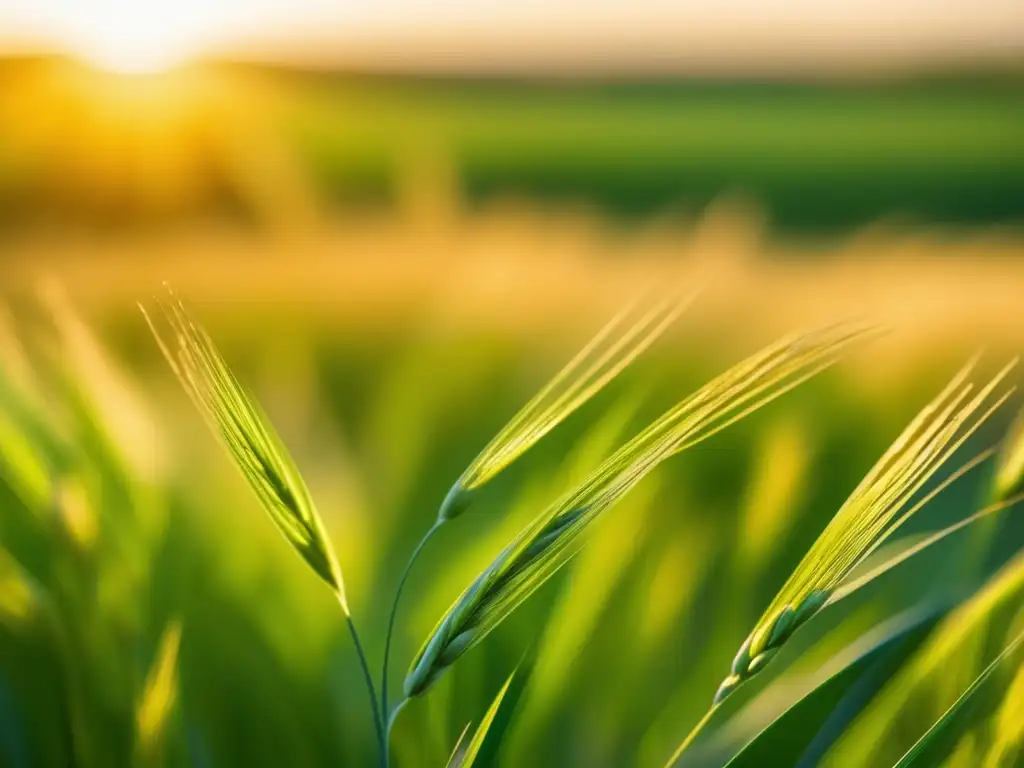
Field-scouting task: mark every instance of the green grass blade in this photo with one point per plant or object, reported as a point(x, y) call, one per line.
point(935, 676)
point(457, 750)
point(1010, 471)
point(465, 758)
point(933, 746)
point(785, 739)
point(1008, 736)
point(159, 697)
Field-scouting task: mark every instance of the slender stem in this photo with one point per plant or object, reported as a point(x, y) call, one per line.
point(394, 613)
point(693, 735)
point(369, 688)
point(387, 733)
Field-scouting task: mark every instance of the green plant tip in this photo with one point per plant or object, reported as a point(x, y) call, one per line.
point(728, 685)
point(455, 503)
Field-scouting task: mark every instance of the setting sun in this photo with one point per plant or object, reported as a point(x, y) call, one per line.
point(127, 36)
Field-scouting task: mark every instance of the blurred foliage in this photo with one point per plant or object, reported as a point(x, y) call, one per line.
point(278, 147)
point(123, 525)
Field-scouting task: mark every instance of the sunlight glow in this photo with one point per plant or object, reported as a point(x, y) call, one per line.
point(132, 36)
point(730, 36)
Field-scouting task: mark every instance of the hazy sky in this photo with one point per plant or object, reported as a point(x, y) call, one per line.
point(506, 34)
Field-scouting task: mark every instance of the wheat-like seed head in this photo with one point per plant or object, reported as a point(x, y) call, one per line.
point(617, 345)
point(549, 541)
point(877, 507)
point(249, 438)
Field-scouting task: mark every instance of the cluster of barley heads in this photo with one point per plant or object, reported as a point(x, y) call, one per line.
point(888, 496)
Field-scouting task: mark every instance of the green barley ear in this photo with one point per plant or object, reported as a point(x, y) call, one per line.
point(1010, 467)
point(869, 516)
point(617, 345)
point(249, 438)
point(549, 541)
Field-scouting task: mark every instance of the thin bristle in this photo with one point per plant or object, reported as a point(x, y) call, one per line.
point(874, 510)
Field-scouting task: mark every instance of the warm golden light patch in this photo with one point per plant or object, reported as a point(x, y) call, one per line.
point(132, 36)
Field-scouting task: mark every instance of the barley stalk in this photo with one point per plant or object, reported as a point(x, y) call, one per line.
point(259, 453)
point(619, 343)
point(249, 438)
point(548, 542)
point(869, 516)
point(876, 508)
point(604, 357)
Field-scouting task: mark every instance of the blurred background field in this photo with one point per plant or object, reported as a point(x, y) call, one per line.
point(395, 252)
point(284, 148)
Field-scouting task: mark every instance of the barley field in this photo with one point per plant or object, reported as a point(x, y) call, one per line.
point(714, 437)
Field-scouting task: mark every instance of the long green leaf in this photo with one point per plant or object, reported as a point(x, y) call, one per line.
point(155, 708)
point(465, 758)
point(785, 739)
point(877, 735)
point(933, 746)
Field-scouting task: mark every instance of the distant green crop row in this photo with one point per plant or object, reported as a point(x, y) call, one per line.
point(815, 158)
point(264, 146)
